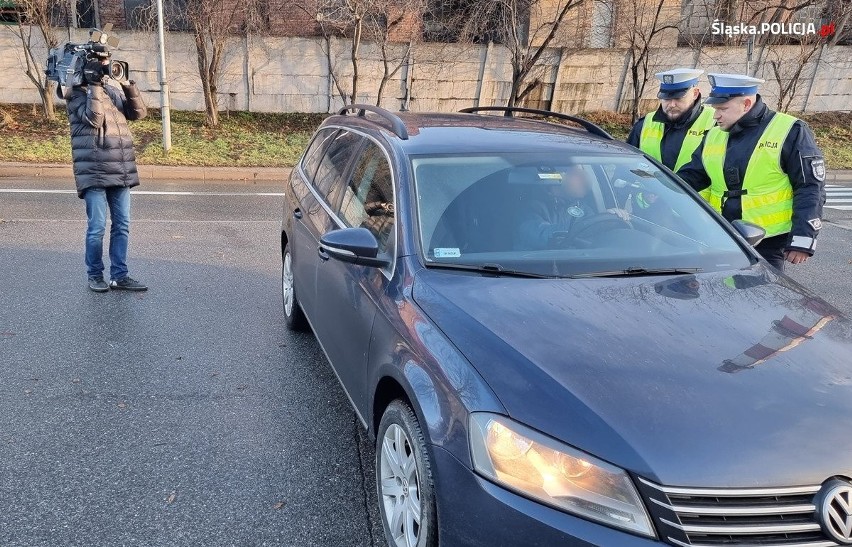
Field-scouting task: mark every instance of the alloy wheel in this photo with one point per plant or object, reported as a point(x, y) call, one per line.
point(400, 486)
point(287, 284)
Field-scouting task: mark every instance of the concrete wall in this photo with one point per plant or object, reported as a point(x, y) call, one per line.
point(287, 74)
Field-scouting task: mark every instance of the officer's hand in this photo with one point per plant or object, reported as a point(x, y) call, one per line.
point(796, 257)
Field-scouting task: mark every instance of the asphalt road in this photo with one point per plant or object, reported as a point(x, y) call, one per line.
point(187, 415)
point(829, 272)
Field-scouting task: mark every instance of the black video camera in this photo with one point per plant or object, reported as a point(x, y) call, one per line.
point(77, 64)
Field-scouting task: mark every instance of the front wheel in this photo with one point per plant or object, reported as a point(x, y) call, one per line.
point(404, 480)
point(293, 315)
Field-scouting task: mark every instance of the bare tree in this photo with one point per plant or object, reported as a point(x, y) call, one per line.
point(211, 23)
point(696, 23)
point(641, 26)
point(345, 18)
point(526, 27)
point(784, 59)
point(788, 61)
point(837, 15)
point(787, 70)
point(395, 14)
point(35, 31)
point(363, 22)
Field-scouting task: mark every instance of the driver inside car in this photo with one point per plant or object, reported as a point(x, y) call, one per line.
point(560, 209)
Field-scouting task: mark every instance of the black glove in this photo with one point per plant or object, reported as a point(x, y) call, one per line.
point(93, 73)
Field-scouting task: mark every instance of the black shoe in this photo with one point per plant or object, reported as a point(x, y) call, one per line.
point(127, 284)
point(98, 284)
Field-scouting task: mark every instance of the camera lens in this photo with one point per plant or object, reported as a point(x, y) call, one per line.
point(116, 71)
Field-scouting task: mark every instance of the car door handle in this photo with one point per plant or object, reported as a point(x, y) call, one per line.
point(297, 213)
point(322, 254)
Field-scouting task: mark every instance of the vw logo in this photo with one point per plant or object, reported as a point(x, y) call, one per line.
point(836, 511)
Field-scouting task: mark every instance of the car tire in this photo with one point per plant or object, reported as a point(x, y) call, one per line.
point(293, 314)
point(404, 480)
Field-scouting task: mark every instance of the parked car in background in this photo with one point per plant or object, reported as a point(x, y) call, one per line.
point(554, 341)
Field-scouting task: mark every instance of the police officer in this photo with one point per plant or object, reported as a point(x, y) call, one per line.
point(763, 167)
point(671, 133)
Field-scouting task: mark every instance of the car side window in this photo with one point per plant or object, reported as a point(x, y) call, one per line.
point(316, 150)
point(368, 197)
point(328, 180)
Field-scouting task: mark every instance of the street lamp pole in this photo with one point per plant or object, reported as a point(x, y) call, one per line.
point(164, 84)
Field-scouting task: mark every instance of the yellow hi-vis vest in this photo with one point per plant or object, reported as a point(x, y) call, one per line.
point(768, 197)
point(651, 138)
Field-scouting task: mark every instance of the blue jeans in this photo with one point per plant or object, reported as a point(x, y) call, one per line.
point(118, 200)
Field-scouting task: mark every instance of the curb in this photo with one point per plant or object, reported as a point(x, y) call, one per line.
point(150, 173)
point(838, 175)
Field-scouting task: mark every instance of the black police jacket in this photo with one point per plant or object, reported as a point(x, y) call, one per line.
point(101, 145)
point(673, 133)
point(541, 219)
point(801, 160)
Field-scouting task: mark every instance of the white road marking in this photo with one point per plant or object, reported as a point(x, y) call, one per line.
point(838, 197)
point(146, 221)
point(144, 192)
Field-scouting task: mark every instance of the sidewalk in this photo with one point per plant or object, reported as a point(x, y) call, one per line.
point(150, 173)
point(226, 174)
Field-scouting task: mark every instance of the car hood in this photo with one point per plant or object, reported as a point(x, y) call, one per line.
point(720, 379)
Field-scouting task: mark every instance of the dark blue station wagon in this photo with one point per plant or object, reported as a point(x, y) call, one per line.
point(554, 341)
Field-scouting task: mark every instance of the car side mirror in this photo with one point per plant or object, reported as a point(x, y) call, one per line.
point(354, 246)
point(752, 233)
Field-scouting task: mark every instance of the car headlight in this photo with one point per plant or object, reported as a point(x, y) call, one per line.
point(548, 471)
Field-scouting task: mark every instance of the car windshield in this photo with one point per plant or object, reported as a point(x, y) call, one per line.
point(556, 214)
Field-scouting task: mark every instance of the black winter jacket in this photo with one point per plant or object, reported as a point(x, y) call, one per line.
point(801, 160)
point(100, 138)
point(674, 132)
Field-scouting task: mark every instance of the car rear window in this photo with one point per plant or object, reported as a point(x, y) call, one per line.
point(339, 154)
point(316, 150)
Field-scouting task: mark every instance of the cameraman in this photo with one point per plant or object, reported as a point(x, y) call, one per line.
point(105, 168)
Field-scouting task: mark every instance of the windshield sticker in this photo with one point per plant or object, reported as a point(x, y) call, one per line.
point(447, 252)
point(550, 176)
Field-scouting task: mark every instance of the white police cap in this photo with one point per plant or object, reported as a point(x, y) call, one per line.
point(675, 83)
point(724, 87)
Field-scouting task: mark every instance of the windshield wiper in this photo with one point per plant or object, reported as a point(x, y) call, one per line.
point(491, 269)
point(628, 272)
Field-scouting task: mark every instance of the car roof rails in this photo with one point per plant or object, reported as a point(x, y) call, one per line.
point(509, 110)
point(397, 125)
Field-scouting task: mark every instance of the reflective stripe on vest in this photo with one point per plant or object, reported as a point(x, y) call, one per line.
point(768, 201)
point(651, 138)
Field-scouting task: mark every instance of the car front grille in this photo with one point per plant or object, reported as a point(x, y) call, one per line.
point(705, 517)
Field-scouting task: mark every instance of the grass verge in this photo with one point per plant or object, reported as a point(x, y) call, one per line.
point(246, 139)
point(242, 139)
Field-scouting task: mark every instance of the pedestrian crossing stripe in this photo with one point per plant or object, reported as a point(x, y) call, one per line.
point(838, 197)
